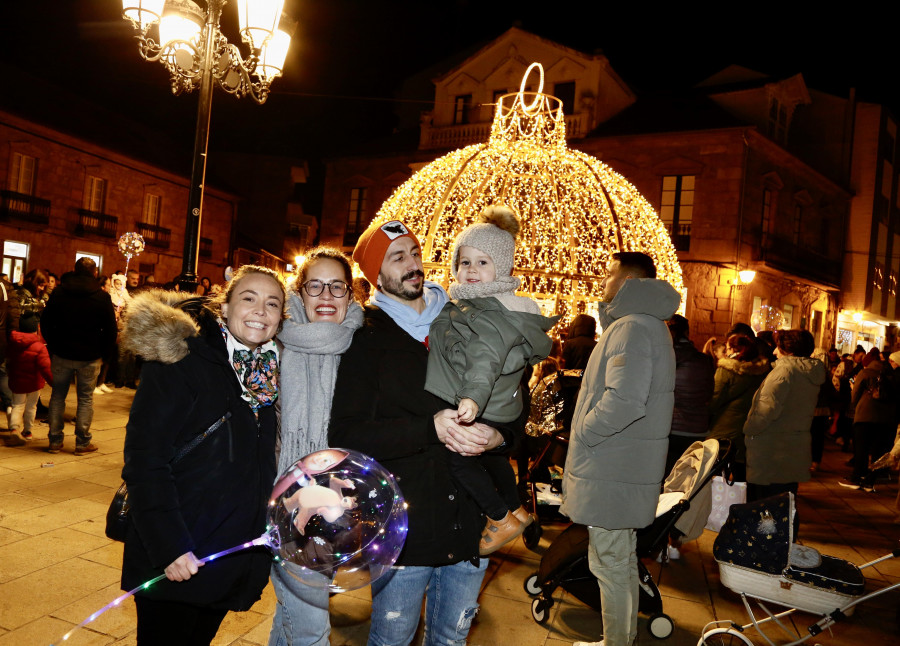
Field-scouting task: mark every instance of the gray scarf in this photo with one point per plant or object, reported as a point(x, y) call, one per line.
point(309, 364)
point(500, 285)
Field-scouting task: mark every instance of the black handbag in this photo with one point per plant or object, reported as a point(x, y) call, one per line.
point(117, 514)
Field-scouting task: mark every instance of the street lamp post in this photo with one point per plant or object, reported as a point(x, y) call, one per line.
point(191, 46)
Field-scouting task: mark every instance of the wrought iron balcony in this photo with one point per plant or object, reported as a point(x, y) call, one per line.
point(154, 236)
point(19, 206)
point(206, 247)
point(96, 223)
point(784, 254)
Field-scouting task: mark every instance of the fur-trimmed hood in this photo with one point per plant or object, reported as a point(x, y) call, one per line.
point(156, 325)
point(758, 366)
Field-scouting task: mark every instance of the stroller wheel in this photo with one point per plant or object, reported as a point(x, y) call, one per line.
point(540, 610)
point(532, 536)
point(532, 586)
point(660, 626)
point(724, 637)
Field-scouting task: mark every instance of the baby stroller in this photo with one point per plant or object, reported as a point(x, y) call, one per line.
point(548, 427)
point(759, 560)
point(565, 563)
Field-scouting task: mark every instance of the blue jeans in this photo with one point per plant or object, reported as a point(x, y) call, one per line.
point(301, 614)
point(85, 373)
point(451, 604)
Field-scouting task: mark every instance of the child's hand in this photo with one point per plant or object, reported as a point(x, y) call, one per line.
point(467, 411)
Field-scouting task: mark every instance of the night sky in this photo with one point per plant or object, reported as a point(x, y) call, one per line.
point(350, 58)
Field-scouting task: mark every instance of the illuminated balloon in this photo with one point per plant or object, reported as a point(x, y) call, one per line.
point(767, 318)
point(339, 517)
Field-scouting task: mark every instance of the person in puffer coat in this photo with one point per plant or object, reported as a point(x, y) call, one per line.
point(29, 370)
point(620, 431)
point(779, 449)
point(203, 362)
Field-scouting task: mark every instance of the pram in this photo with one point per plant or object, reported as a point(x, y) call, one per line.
point(548, 426)
point(565, 563)
point(759, 560)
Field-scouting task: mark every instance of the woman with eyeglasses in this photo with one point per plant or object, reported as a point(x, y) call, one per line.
point(322, 319)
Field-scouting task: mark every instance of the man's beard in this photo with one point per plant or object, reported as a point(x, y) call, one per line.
point(399, 289)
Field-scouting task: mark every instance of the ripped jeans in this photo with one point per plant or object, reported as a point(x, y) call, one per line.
point(452, 603)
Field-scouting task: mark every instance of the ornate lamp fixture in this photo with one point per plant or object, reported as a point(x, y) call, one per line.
point(575, 211)
point(187, 41)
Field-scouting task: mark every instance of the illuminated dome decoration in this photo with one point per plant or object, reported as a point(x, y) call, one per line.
point(575, 211)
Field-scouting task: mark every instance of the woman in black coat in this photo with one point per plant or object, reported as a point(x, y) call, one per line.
point(204, 361)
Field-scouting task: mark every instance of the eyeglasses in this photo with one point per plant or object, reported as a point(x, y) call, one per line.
point(338, 288)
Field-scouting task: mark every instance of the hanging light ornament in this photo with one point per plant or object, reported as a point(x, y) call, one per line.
point(575, 211)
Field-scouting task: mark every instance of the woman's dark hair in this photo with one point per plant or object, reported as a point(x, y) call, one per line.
point(35, 278)
point(742, 347)
point(871, 355)
point(317, 254)
point(798, 343)
point(742, 329)
point(102, 279)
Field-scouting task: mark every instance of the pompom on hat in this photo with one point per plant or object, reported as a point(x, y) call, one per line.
point(373, 245)
point(494, 233)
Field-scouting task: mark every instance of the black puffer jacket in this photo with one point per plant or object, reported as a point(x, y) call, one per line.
point(215, 497)
point(694, 382)
point(580, 342)
point(79, 322)
point(381, 408)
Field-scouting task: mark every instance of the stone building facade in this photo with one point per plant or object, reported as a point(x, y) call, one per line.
point(64, 196)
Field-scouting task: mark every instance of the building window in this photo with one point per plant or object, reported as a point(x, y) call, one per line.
point(94, 194)
point(778, 120)
point(356, 215)
point(152, 207)
point(22, 174)
point(768, 211)
point(887, 178)
point(565, 92)
point(677, 208)
point(878, 276)
point(461, 108)
point(15, 255)
point(892, 284)
point(499, 93)
point(798, 218)
point(788, 316)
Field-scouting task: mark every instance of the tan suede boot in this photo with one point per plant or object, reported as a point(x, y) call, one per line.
point(523, 516)
point(498, 533)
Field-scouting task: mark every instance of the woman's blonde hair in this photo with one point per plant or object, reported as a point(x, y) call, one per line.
point(215, 303)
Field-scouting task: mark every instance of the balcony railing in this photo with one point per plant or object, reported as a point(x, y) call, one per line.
point(19, 206)
point(206, 247)
point(784, 254)
point(96, 223)
point(681, 236)
point(154, 236)
point(460, 135)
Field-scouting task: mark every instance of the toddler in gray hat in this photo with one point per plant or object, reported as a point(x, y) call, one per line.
point(480, 345)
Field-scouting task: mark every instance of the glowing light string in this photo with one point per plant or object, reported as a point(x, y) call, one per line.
point(265, 539)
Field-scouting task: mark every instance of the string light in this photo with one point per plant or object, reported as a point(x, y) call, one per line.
point(575, 211)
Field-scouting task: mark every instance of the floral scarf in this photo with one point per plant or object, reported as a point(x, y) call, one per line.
point(256, 370)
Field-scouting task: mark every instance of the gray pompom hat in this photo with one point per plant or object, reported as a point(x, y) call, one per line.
point(494, 233)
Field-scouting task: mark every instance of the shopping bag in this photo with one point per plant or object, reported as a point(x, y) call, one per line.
point(723, 496)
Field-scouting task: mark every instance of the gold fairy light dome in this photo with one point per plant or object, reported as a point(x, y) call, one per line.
point(575, 211)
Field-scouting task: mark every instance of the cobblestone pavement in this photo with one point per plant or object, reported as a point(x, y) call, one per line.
point(57, 567)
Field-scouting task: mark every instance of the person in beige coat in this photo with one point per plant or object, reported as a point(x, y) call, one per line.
point(776, 432)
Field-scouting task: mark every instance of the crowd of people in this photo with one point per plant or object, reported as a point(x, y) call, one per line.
point(435, 386)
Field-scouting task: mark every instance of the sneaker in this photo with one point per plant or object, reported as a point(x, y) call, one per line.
point(98, 391)
point(849, 483)
point(674, 553)
point(599, 643)
point(12, 439)
point(868, 486)
point(87, 448)
point(55, 447)
point(27, 435)
point(498, 533)
point(106, 389)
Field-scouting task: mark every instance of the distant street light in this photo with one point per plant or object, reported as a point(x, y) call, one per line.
point(188, 42)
